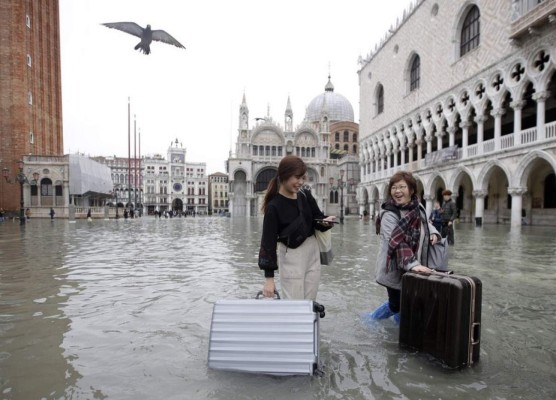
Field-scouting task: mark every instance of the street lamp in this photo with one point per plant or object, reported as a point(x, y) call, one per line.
point(341, 185)
point(21, 178)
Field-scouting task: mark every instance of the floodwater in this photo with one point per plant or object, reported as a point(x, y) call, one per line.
point(121, 310)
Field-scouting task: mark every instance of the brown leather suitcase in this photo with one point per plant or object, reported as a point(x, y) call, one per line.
point(440, 315)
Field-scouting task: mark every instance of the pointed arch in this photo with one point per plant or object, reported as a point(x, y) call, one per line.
point(526, 164)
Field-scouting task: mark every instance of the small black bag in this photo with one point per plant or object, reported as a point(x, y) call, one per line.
point(295, 233)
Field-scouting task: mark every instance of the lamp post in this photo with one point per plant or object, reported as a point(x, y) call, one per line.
point(341, 185)
point(21, 178)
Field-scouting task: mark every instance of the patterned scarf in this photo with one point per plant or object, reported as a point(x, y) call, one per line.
point(404, 241)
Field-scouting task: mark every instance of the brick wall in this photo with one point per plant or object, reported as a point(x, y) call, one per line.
point(29, 66)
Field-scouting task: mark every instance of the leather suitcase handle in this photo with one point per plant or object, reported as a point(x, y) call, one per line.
point(476, 333)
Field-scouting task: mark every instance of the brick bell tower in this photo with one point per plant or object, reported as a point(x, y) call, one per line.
point(30, 87)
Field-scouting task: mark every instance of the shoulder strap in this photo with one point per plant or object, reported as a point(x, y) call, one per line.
point(385, 207)
point(391, 207)
point(300, 201)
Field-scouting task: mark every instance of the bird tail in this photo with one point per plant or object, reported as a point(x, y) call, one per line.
point(142, 48)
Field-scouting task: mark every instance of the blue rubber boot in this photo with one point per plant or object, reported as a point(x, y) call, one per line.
point(397, 318)
point(383, 311)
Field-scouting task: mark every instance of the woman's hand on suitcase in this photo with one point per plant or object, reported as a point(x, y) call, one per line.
point(421, 268)
point(269, 288)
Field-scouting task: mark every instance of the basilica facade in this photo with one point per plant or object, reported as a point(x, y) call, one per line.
point(326, 139)
point(463, 94)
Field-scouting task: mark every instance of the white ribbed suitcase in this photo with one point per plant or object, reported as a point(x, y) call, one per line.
point(278, 337)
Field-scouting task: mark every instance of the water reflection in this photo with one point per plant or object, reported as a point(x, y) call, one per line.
point(121, 309)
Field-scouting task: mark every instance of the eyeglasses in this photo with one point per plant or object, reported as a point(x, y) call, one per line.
point(401, 187)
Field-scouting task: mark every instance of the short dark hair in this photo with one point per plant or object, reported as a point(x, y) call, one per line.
point(447, 192)
point(403, 176)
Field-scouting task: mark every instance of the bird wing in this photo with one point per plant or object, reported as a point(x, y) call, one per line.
point(163, 36)
point(128, 27)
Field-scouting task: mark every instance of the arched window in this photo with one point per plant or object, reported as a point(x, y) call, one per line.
point(470, 31)
point(355, 137)
point(380, 100)
point(263, 179)
point(354, 149)
point(415, 74)
point(346, 136)
point(337, 136)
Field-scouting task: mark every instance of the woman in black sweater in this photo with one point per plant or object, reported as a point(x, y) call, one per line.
point(288, 238)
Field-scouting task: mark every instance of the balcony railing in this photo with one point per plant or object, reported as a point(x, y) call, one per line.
point(508, 142)
point(527, 15)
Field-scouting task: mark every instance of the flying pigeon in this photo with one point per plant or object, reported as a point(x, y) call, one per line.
point(147, 35)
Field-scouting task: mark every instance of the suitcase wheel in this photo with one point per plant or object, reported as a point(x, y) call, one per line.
point(319, 308)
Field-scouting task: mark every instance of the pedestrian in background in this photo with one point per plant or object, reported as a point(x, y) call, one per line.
point(52, 213)
point(436, 216)
point(449, 214)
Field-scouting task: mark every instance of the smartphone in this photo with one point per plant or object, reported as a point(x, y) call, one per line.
point(326, 222)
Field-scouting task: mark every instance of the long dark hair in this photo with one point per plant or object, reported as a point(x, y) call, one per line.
point(289, 166)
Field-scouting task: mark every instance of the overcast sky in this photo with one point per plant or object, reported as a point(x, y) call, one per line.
point(264, 48)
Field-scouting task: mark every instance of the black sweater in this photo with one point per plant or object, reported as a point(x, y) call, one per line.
point(280, 212)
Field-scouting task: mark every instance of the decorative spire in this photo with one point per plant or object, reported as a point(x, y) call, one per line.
point(244, 103)
point(329, 86)
point(289, 105)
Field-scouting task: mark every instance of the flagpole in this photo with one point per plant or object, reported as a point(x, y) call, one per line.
point(129, 150)
point(135, 163)
point(140, 176)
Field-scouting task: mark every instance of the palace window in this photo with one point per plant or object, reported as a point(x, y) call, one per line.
point(470, 31)
point(415, 74)
point(380, 100)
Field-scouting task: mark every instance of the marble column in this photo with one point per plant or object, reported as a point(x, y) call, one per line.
point(480, 120)
point(429, 199)
point(428, 139)
point(497, 114)
point(517, 106)
point(541, 98)
point(479, 206)
point(419, 149)
point(464, 137)
point(452, 135)
point(439, 135)
point(517, 204)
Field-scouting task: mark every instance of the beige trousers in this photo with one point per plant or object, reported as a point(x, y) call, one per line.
point(299, 270)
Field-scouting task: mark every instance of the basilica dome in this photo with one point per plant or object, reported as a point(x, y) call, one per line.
point(337, 106)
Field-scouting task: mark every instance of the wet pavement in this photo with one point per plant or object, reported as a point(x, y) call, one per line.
point(121, 309)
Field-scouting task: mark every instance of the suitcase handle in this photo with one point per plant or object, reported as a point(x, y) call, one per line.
point(476, 333)
point(276, 294)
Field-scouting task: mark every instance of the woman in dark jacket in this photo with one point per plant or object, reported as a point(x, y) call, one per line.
point(288, 238)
